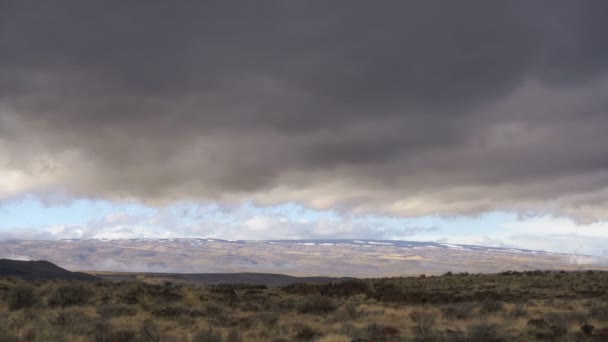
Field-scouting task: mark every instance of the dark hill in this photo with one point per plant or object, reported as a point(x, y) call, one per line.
point(39, 270)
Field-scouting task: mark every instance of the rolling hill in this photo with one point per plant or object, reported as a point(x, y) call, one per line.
point(39, 270)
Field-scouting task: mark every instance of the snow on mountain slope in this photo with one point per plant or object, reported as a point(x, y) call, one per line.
point(355, 258)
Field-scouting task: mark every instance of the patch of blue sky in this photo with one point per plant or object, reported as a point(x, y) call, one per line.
point(30, 212)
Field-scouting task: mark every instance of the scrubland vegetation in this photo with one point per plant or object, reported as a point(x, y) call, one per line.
point(511, 306)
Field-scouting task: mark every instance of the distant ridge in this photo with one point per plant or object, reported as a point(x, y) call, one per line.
point(359, 258)
point(246, 278)
point(39, 270)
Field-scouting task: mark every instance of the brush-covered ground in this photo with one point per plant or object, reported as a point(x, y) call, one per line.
point(511, 306)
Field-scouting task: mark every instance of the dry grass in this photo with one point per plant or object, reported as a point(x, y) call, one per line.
point(528, 306)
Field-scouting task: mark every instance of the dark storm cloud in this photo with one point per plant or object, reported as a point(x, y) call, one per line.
point(410, 108)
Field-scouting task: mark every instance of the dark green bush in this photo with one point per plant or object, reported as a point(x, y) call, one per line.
point(131, 296)
point(491, 306)
point(21, 297)
point(216, 312)
point(267, 319)
point(70, 295)
point(102, 331)
point(587, 329)
point(352, 310)
point(461, 311)
point(599, 311)
point(425, 329)
point(345, 289)
point(380, 332)
point(7, 337)
point(286, 304)
point(5, 334)
point(455, 336)
point(306, 333)
point(425, 332)
point(207, 335)
point(74, 321)
point(115, 310)
point(317, 305)
point(170, 312)
point(422, 317)
point(122, 336)
point(149, 331)
point(517, 312)
point(234, 335)
point(484, 332)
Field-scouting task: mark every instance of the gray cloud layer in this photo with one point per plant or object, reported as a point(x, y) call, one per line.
point(405, 108)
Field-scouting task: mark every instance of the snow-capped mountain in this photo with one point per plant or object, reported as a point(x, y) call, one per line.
point(356, 258)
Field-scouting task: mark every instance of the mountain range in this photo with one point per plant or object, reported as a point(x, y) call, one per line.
point(332, 258)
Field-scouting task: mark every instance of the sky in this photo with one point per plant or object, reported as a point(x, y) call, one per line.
point(472, 121)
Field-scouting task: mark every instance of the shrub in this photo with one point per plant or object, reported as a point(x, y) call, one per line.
point(371, 312)
point(491, 306)
point(170, 312)
point(267, 319)
point(234, 335)
point(7, 337)
point(345, 289)
point(306, 333)
point(115, 310)
point(69, 295)
point(207, 335)
point(517, 312)
point(287, 304)
point(5, 334)
point(602, 334)
point(352, 311)
point(131, 296)
point(350, 329)
point(422, 317)
point(538, 323)
point(564, 318)
point(341, 315)
point(587, 329)
point(19, 320)
point(378, 332)
point(549, 328)
point(453, 312)
point(121, 336)
point(21, 296)
point(302, 289)
point(149, 331)
point(216, 312)
point(317, 305)
point(455, 336)
point(424, 330)
point(484, 332)
point(599, 311)
point(72, 320)
point(102, 331)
